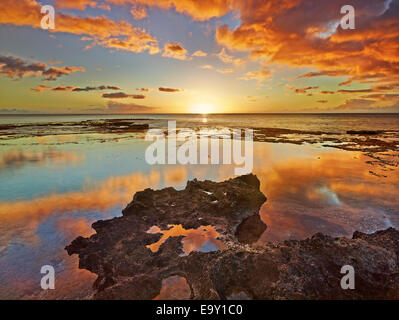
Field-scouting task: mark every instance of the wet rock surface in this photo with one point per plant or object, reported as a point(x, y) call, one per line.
point(381, 146)
point(105, 126)
point(306, 269)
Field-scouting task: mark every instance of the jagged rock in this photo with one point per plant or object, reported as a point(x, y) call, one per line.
point(118, 252)
point(306, 269)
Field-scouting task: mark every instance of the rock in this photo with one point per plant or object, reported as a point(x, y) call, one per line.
point(364, 132)
point(250, 229)
point(306, 269)
point(118, 252)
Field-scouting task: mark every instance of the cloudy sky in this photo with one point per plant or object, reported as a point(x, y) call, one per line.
point(202, 56)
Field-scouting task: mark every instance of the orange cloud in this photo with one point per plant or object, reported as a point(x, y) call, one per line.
point(260, 76)
point(143, 89)
point(75, 4)
point(40, 88)
point(138, 12)
point(175, 51)
point(99, 30)
point(223, 71)
point(198, 10)
point(223, 56)
point(199, 53)
point(304, 33)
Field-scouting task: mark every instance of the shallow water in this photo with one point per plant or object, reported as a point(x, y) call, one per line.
point(202, 239)
point(54, 187)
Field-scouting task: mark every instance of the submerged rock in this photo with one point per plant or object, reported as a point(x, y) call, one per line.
point(306, 269)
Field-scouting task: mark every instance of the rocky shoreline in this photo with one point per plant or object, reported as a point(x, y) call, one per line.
point(103, 126)
point(381, 146)
point(308, 269)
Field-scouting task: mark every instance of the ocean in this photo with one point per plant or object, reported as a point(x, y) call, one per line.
point(329, 173)
point(327, 122)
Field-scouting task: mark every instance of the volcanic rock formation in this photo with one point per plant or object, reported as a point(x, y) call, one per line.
point(306, 269)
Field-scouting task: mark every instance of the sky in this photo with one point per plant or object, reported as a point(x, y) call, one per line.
point(191, 56)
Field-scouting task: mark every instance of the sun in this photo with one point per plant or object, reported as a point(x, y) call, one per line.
point(202, 108)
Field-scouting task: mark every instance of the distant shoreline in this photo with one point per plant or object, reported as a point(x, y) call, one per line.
point(193, 114)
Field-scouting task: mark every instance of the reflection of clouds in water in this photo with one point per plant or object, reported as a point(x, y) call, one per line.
point(74, 227)
point(174, 288)
point(202, 239)
point(309, 190)
point(22, 246)
point(43, 226)
point(175, 175)
point(312, 185)
point(19, 158)
point(330, 192)
point(57, 139)
point(20, 219)
point(332, 197)
point(20, 266)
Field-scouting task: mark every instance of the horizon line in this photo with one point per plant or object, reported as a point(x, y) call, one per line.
point(200, 114)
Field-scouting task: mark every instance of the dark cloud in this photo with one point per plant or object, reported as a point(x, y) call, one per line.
point(62, 88)
point(175, 51)
point(96, 88)
point(355, 91)
point(304, 90)
point(14, 67)
point(163, 89)
point(387, 87)
point(42, 87)
point(175, 47)
point(327, 92)
point(122, 95)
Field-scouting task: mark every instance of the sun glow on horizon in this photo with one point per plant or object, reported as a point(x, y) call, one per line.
point(203, 108)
